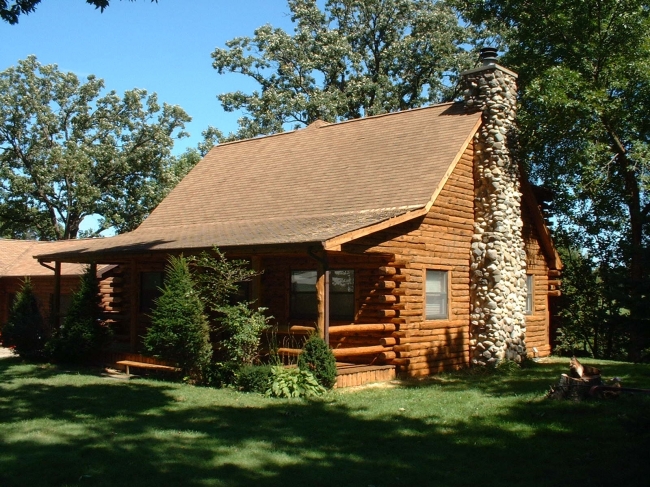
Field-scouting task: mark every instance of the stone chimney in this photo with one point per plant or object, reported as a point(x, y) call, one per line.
point(498, 258)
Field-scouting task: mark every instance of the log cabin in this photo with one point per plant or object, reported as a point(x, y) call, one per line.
point(17, 264)
point(407, 239)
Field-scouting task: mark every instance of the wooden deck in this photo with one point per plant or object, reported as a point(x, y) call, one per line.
point(350, 375)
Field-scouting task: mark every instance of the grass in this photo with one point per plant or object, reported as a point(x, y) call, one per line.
point(69, 427)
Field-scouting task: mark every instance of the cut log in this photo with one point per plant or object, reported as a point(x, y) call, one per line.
point(289, 351)
point(386, 355)
point(351, 329)
point(387, 271)
point(575, 389)
point(386, 285)
point(349, 352)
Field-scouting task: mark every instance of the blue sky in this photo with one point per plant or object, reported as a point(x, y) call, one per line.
point(163, 48)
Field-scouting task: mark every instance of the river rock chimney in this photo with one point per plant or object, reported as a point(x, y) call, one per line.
point(498, 258)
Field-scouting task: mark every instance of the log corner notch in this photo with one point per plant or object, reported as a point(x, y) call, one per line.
point(554, 282)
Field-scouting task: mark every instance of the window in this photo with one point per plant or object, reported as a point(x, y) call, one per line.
point(150, 284)
point(303, 294)
point(436, 295)
point(530, 285)
point(342, 295)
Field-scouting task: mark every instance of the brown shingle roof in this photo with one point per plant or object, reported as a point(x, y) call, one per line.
point(305, 186)
point(16, 259)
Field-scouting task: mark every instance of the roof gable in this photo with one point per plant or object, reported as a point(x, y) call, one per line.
point(305, 186)
point(390, 163)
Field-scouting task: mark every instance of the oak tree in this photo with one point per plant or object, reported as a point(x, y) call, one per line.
point(68, 151)
point(584, 71)
point(11, 10)
point(350, 59)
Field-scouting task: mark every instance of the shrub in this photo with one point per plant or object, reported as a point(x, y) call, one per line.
point(25, 329)
point(179, 330)
point(507, 367)
point(318, 359)
point(253, 378)
point(82, 333)
point(293, 382)
point(218, 279)
point(242, 329)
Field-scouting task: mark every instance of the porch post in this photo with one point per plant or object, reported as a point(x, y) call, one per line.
point(322, 298)
point(133, 305)
point(256, 284)
point(56, 305)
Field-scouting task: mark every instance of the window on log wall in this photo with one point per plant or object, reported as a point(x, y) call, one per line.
point(530, 286)
point(437, 295)
point(303, 294)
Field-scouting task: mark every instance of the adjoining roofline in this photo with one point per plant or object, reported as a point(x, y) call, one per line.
point(336, 242)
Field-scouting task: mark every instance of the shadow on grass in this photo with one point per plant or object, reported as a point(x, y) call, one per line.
point(145, 433)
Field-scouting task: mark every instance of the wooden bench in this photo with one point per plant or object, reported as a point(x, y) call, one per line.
point(143, 365)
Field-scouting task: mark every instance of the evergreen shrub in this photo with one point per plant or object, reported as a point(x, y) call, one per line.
point(179, 330)
point(318, 359)
point(82, 334)
point(25, 330)
point(253, 378)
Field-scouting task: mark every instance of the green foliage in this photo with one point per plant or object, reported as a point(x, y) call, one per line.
point(592, 319)
point(508, 367)
point(584, 132)
point(82, 334)
point(218, 279)
point(241, 330)
point(67, 152)
point(25, 330)
point(10, 12)
point(179, 330)
point(351, 59)
point(253, 378)
point(318, 359)
point(293, 382)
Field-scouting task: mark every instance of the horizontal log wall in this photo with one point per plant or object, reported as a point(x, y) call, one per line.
point(114, 289)
point(537, 323)
point(438, 241)
point(43, 287)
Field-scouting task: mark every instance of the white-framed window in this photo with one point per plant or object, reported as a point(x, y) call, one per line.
point(437, 294)
point(530, 286)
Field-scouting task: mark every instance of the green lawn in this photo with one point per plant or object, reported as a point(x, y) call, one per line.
point(71, 427)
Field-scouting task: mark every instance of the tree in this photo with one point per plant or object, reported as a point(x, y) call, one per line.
point(179, 329)
point(83, 334)
point(10, 11)
point(352, 59)
point(66, 152)
point(585, 93)
point(25, 330)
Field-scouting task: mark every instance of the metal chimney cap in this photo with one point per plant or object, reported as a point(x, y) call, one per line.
point(488, 55)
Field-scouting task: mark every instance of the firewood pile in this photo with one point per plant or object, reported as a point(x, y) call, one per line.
point(583, 381)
